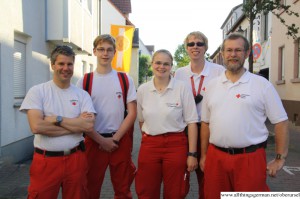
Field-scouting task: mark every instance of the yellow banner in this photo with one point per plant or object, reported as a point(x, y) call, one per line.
point(124, 35)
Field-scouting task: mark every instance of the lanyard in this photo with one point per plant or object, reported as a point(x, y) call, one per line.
point(200, 85)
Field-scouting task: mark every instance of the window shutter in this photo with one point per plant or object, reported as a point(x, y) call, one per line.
point(19, 70)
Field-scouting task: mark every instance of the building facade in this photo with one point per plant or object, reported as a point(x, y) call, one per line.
point(285, 62)
point(30, 30)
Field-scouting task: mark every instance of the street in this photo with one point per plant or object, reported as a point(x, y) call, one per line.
point(14, 178)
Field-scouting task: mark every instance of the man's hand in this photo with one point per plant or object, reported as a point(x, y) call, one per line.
point(274, 166)
point(86, 115)
point(202, 162)
point(108, 145)
point(192, 163)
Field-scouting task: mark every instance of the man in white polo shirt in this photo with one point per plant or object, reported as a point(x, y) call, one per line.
point(196, 75)
point(233, 131)
point(58, 114)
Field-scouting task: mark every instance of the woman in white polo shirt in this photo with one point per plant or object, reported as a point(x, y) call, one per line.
point(165, 107)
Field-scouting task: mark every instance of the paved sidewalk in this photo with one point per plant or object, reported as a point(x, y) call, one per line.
point(14, 178)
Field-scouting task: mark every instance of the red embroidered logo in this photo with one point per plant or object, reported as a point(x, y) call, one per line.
point(74, 102)
point(119, 95)
point(204, 89)
point(243, 96)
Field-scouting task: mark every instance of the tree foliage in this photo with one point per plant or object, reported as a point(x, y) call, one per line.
point(253, 7)
point(181, 57)
point(144, 68)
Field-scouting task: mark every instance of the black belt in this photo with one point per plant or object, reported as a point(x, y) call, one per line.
point(248, 149)
point(108, 135)
point(60, 153)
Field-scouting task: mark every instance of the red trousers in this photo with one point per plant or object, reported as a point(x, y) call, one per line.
point(199, 172)
point(234, 173)
point(122, 169)
point(48, 174)
point(162, 158)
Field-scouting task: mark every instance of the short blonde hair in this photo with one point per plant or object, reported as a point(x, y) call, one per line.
point(198, 35)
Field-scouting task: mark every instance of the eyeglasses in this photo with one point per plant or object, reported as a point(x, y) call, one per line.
point(103, 50)
point(236, 51)
point(159, 63)
point(192, 44)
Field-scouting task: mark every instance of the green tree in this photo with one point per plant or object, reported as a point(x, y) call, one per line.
point(181, 57)
point(144, 68)
point(253, 7)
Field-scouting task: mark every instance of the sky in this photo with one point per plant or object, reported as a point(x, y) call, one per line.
point(165, 23)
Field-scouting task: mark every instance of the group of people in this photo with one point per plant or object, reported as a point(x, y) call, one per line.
point(208, 118)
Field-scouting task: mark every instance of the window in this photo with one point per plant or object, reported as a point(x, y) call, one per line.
point(265, 27)
point(87, 4)
point(246, 34)
point(19, 73)
point(298, 58)
point(91, 68)
point(283, 2)
point(296, 61)
point(84, 67)
point(281, 66)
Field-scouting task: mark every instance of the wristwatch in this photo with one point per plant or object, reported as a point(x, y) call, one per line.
point(279, 157)
point(193, 154)
point(58, 121)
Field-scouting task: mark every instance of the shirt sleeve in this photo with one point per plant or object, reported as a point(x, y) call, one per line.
point(87, 103)
point(190, 114)
point(205, 113)
point(32, 100)
point(274, 108)
point(139, 105)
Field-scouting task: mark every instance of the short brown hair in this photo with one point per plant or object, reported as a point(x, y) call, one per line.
point(61, 50)
point(105, 38)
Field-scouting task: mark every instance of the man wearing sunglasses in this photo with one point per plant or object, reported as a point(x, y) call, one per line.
point(196, 75)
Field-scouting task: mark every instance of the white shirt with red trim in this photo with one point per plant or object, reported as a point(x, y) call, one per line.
point(108, 100)
point(236, 112)
point(210, 71)
point(52, 100)
point(169, 111)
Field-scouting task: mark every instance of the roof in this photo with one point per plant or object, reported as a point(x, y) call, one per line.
point(232, 10)
point(123, 5)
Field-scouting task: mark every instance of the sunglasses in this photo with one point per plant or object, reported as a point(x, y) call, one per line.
point(192, 44)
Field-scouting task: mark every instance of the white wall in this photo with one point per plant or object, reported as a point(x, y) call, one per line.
point(20, 16)
point(110, 16)
point(27, 19)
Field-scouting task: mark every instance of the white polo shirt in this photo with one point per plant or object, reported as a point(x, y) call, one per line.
point(210, 71)
point(169, 111)
point(236, 112)
point(52, 100)
point(108, 100)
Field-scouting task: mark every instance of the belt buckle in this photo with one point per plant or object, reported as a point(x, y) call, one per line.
point(67, 152)
point(230, 151)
